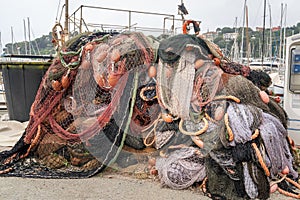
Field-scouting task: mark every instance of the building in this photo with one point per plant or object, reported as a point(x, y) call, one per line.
point(230, 36)
point(210, 35)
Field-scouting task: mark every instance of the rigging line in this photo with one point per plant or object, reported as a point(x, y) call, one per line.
point(36, 44)
point(57, 10)
point(257, 13)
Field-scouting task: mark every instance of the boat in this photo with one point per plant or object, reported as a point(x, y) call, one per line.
point(269, 66)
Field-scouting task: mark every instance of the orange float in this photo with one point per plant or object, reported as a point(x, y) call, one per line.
point(115, 55)
point(285, 170)
point(217, 61)
point(89, 47)
point(56, 85)
point(199, 63)
point(152, 71)
point(167, 117)
point(264, 97)
point(187, 23)
point(65, 81)
point(101, 56)
point(113, 79)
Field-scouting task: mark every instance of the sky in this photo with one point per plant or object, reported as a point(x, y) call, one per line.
point(42, 14)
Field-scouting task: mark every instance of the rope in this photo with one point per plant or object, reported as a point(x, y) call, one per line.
point(34, 141)
point(255, 135)
point(136, 75)
point(229, 130)
point(71, 65)
point(289, 194)
point(229, 97)
point(260, 159)
point(210, 119)
point(203, 130)
point(5, 171)
point(144, 89)
point(277, 181)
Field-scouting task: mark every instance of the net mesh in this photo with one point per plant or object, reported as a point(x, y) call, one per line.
point(175, 109)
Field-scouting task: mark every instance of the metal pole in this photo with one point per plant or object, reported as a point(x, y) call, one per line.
point(173, 25)
point(80, 25)
point(164, 25)
point(66, 28)
point(129, 20)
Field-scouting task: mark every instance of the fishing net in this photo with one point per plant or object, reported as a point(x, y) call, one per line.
point(82, 110)
point(174, 109)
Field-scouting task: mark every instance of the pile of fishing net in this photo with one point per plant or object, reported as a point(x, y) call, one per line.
point(179, 108)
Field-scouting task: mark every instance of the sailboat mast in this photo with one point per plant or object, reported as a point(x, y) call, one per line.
point(263, 36)
point(29, 42)
point(247, 36)
point(284, 32)
point(25, 43)
point(280, 41)
point(66, 28)
point(235, 46)
point(12, 40)
point(242, 42)
point(270, 47)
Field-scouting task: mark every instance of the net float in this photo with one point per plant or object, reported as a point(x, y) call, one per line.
point(285, 170)
point(264, 97)
point(89, 47)
point(101, 56)
point(219, 113)
point(273, 188)
point(99, 80)
point(152, 71)
point(277, 99)
point(199, 63)
point(167, 117)
point(65, 81)
point(85, 64)
point(117, 41)
point(115, 55)
point(217, 61)
point(56, 85)
point(153, 172)
point(113, 79)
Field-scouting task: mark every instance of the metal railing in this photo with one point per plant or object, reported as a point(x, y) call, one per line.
point(78, 24)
